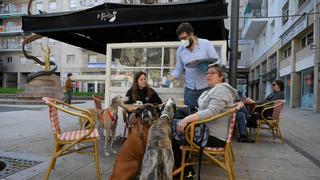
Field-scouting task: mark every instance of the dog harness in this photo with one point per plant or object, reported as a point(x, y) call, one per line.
point(113, 120)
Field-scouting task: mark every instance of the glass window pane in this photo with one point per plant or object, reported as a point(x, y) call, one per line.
point(154, 57)
point(124, 77)
point(307, 88)
point(169, 57)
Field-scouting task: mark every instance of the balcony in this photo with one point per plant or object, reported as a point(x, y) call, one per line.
point(96, 65)
point(13, 10)
point(10, 30)
point(254, 24)
point(12, 46)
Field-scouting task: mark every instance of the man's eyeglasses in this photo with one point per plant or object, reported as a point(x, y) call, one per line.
point(183, 38)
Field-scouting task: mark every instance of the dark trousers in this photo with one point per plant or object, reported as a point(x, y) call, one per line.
point(68, 97)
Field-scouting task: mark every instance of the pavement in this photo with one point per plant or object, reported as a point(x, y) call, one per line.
point(25, 133)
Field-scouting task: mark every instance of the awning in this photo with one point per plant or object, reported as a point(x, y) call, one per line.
point(93, 28)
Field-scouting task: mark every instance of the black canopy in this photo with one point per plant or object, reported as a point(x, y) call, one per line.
point(93, 28)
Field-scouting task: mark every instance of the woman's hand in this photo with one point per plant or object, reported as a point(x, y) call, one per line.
point(249, 101)
point(181, 125)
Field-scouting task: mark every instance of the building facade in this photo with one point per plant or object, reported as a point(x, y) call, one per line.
point(84, 64)
point(284, 39)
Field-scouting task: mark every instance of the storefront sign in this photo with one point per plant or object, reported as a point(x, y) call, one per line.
point(294, 30)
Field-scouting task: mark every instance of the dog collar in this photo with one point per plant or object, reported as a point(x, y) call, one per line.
point(162, 115)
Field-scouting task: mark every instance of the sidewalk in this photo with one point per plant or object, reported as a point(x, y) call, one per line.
point(25, 131)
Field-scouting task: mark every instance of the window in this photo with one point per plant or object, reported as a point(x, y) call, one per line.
point(285, 13)
point(307, 83)
point(39, 6)
point(52, 5)
point(71, 59)
point(273, 61)
point(156, 59)
point(306, 40)
point(239, 56)
point(92, 59)
point(23, 60)
point(310, 38)
point(9, 59)
point(300, 2)
point(287, 52)
point(272, 28)
point(72, 4)
point(52, 58)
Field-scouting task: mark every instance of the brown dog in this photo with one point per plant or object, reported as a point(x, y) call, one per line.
point(129, 158)
point(158, 159)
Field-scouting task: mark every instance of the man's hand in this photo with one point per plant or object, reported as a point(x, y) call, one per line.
point(166, 83)
point(170, 77)
point(203, 67)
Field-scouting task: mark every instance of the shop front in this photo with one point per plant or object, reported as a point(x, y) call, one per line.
point(307, 95)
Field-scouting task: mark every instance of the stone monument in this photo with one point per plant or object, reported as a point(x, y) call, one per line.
point(41, 83)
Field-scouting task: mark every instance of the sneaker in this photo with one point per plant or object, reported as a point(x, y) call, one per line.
point(190, 175)
point(245, 139)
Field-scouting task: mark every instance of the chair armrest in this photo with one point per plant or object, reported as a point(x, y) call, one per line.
point(189, 131)
point(275, 105)
point(261, 106)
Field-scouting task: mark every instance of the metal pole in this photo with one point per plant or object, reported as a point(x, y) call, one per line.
point(233, 62)
point(316, 36)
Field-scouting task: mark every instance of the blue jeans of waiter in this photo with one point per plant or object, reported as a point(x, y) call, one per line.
point(191, 96)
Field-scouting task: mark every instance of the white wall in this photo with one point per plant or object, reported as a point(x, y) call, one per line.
point(275, 9)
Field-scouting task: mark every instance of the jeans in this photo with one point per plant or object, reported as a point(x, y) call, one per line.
point(241, 123)
point(191, 96)
point(68, 97)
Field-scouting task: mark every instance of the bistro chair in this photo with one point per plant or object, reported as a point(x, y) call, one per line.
point(271, 123)
point(256, 109)
point(220, 156)
point(65, 141)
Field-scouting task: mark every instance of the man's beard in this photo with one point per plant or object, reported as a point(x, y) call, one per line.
point(190, 43)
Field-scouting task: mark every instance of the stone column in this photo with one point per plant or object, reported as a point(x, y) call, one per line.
point(295, 77)
point(19, 80)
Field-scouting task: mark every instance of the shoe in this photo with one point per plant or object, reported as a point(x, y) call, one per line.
point(190, 175)
point(245, 139)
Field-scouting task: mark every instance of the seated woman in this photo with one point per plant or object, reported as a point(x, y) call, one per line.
point(219, 98)
point(277, 94)
point(140, 91)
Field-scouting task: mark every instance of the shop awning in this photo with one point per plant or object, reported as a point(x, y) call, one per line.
point(93, 28)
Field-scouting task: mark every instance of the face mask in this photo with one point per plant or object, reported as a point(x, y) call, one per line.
point(185, 43)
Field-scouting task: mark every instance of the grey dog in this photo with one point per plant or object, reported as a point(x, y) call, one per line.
point(158, 159)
